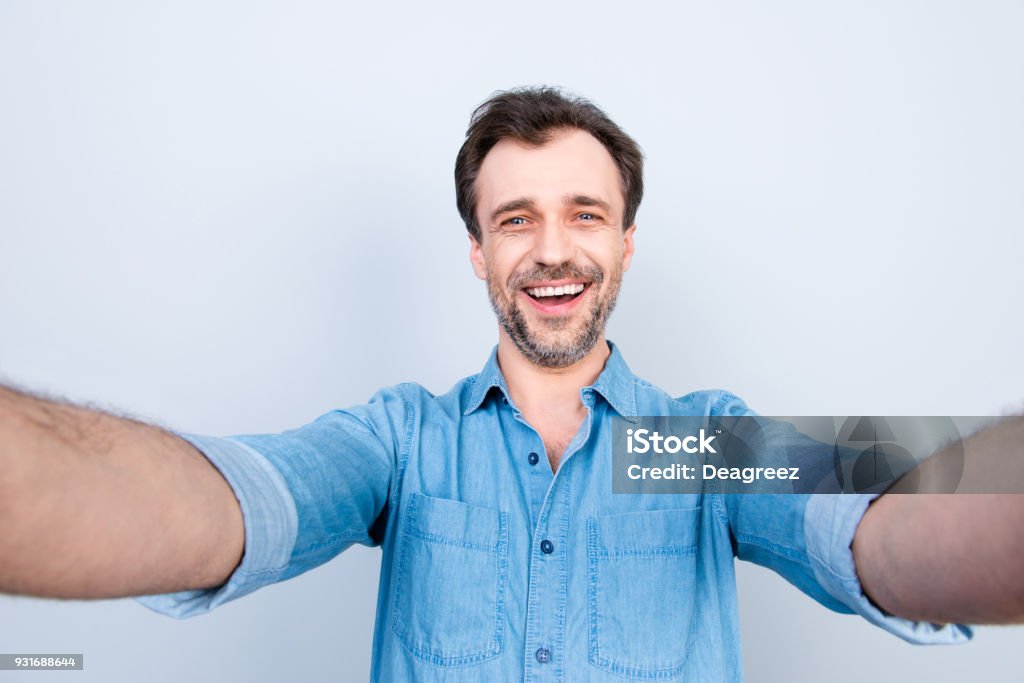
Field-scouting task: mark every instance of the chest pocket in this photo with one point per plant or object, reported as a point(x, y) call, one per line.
point(450, 590)
point(642, 594)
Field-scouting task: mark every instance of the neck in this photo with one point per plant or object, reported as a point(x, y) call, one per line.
point(551, 390)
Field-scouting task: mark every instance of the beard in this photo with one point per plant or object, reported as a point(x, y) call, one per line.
point(556, 341)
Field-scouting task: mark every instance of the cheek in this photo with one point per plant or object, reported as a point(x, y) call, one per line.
point(504, 261)
point(605, 253)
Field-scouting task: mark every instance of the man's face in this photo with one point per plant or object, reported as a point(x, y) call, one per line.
point(552, 246)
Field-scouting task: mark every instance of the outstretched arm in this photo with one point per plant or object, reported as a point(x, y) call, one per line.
point(95, 506)
point(952, 557)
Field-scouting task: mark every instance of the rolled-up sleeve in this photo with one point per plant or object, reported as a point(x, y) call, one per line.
point(807, 538)
point(270, 519)
point(306, 495)
point(830, 521)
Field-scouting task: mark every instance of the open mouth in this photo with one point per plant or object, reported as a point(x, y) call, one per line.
point(558, 298)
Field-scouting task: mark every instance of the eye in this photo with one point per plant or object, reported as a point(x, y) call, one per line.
point(589, 217)
point(515, 220)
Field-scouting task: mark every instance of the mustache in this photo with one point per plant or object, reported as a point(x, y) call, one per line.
point(560, 272)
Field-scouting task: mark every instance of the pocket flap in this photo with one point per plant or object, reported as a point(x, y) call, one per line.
point(650, 532)
point(453, 522)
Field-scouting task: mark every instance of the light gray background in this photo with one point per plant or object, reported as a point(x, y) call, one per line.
point(232, 217)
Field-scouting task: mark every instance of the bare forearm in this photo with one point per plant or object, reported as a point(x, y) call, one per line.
point(94, 506)
point(952, 557)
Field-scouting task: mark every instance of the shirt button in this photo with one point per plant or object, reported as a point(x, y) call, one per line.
point(533, 458)
point(543, 655)
point(547, 547)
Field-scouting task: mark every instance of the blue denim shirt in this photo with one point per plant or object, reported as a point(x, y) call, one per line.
point(495, 568)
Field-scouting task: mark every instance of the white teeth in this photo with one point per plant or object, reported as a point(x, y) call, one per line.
point(555, 291)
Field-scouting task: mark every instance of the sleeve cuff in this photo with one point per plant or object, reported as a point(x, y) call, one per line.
point(829, 526)
point(271, 525)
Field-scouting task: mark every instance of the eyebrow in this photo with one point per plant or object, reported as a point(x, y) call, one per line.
point(569, 200)
point(584, 200)
point(514, 205)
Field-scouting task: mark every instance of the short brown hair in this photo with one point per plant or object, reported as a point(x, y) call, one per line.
point(531, 115)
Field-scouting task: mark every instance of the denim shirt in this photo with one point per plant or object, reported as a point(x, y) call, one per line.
point(497, 569)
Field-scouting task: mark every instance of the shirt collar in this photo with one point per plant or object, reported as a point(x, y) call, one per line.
point(615, 384)
point(489, 378)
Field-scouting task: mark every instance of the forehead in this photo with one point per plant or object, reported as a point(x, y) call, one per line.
point(571, 162)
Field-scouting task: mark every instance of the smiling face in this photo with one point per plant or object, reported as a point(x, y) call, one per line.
point(552, 248)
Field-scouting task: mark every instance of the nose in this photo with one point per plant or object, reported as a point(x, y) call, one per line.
point(553, 245)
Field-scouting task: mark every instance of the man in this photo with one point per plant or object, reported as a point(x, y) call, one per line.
point(504, 555)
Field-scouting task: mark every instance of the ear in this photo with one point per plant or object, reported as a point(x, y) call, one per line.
point(476, 257)
point(627, 247)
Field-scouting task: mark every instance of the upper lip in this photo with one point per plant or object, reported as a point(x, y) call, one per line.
point(556, 283)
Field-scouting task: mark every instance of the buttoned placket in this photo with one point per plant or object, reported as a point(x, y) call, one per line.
point(548, 567)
